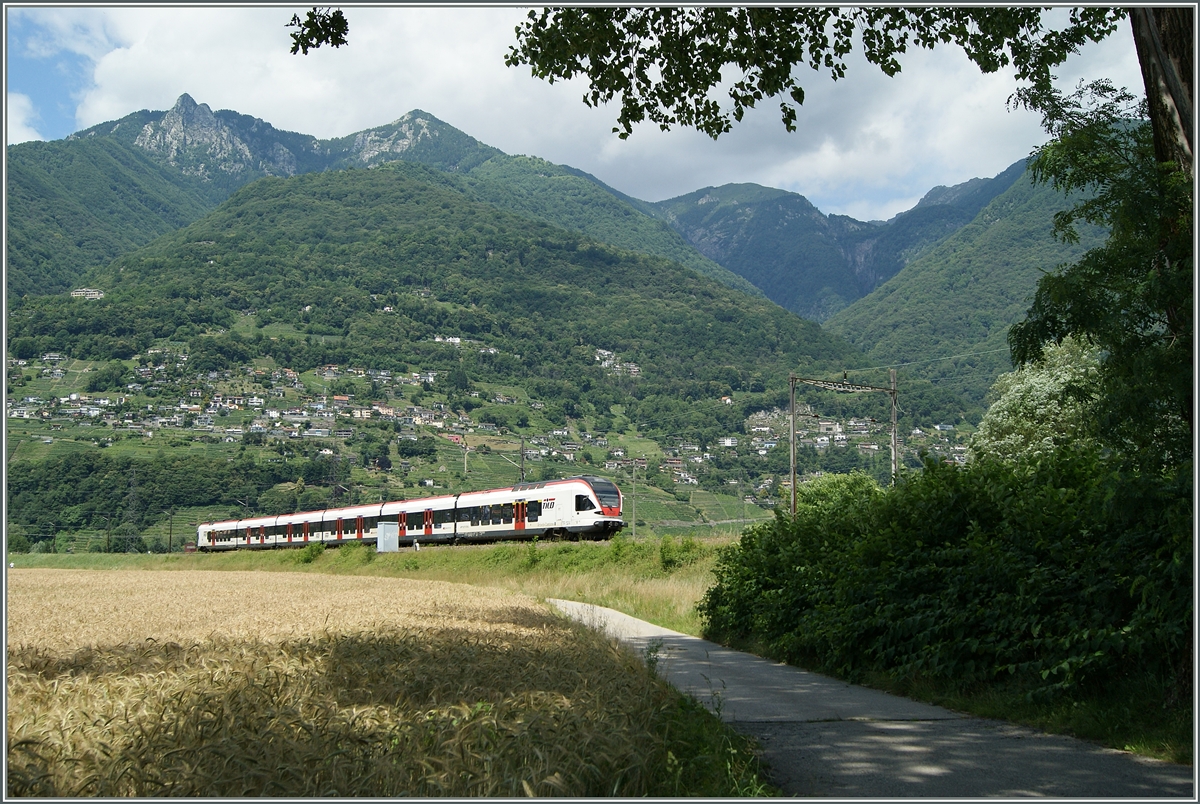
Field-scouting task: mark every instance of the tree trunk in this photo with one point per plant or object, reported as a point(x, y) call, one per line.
point(1163, 37)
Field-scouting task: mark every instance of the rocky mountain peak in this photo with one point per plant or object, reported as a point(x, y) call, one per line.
point(395, 138)
point(193, 139)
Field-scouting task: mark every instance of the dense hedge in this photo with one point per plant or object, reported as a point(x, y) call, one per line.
point(1056, 575)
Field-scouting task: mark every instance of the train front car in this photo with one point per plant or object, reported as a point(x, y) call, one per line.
point(597, 508)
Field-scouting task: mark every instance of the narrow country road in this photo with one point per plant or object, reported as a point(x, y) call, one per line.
point(824, 737)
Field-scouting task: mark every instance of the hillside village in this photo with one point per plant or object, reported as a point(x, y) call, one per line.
point(261, 406)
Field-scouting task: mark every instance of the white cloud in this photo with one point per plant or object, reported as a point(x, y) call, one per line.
point(866, 145)
point(19, 119)
point(84, 31)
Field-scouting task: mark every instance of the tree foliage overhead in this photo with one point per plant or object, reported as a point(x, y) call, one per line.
point(318, 26)
point(1132, 296)
point(663, 63)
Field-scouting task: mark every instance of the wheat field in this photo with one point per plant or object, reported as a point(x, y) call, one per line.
point(199, 684)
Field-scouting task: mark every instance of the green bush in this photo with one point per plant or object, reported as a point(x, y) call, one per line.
point(310, 553)
point(672, 556)
point(17, 543)
point(620, 547)
point(1057, 574)
point(532, 556)
point(355, 554)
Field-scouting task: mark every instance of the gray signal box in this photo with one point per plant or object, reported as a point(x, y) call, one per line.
point(388, 539)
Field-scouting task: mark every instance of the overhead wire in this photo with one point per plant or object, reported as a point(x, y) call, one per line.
point(932, 360)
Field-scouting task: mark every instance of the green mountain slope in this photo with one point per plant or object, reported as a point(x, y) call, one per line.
point(811, 263)
point(964, 293)
point(207, 155)
point(318, 257)
point(574, 200)
point(76, 205)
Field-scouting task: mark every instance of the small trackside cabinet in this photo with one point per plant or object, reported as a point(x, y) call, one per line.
point(388, 539)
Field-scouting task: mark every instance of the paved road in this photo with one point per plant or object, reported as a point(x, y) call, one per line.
point(824, 737)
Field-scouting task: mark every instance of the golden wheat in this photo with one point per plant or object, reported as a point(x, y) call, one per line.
point(240, 683)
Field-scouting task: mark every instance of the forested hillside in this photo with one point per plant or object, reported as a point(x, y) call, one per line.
point(811, 263)
point(77, 205)
point(574, 200)
point(367, 267)
point(963, 294)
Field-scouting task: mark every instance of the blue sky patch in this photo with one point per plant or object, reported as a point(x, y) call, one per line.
point(51, 82)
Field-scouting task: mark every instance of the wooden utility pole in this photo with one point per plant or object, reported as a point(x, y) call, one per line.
point(849, 387)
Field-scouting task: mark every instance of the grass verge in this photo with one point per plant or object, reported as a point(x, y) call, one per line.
point(659, 580)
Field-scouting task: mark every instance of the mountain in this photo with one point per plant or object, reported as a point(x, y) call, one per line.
point(811, 263)
point(206, 155)
point(369, 267)
point(962, 295)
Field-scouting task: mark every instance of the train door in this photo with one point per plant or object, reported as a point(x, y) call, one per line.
point(358, 527)
point(262, 534)
point(519, 515)
point(402, 521)
point(305, 526)
point(339, 529)
point(428, 521)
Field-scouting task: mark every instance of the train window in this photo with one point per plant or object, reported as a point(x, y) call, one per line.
point(416, 520)
point(506, 513)
point(464, 514)
point(533, 510)
point(606, 492)
point(370, 523)
point(583, 503)
point(473, 513)
point(442, 517)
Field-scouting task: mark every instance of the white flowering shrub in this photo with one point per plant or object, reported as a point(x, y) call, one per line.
point(1041, 407)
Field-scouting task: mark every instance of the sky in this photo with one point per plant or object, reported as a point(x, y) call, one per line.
point(868, 146)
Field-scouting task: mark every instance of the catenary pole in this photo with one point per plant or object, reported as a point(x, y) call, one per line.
point(895, 444)
point(792, 408)
point(854, 388)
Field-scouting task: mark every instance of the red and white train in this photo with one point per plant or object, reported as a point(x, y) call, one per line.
point(577, 507)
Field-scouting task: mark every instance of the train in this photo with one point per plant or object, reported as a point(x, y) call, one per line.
point(576, 507)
